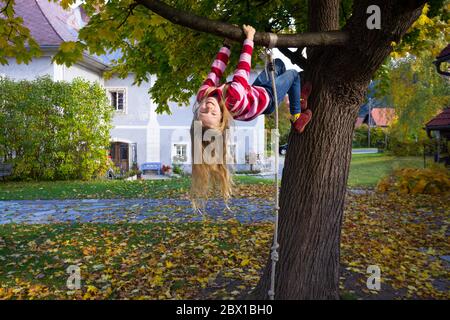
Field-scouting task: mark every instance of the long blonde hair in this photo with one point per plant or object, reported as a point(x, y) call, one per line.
point(210, 177)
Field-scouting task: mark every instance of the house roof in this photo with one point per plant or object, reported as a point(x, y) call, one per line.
point(359, 122)
point(48, 22)
point(445, 52)
point(50, 25)
point(441, 120)
point(383, 116)
point(375, 103)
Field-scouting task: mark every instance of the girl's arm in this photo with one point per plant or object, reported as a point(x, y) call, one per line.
point(242, 72)
point(240, 83)
point(217, 69)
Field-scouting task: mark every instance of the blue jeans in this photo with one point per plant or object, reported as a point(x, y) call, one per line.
point(286, 82)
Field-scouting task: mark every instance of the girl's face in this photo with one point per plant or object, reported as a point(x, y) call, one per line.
point(209, 113)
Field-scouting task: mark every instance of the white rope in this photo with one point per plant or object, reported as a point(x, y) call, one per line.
point(273, 39)
point(275, 245)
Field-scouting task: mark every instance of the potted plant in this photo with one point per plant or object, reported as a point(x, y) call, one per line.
point(139, 174)
point(178, 169)
point(136, 171)
point(166, 169)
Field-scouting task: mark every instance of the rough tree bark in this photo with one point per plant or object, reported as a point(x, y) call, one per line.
point(316, 166)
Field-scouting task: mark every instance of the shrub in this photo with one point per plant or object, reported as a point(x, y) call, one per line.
point(402, 148)
point(177, 169)
point(377, 137)
point(54, 130)
point(131, 173)
point(434, 180)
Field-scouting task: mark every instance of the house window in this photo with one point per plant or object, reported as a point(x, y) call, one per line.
point(123, 151)
point(180, 153)
point(117, 98)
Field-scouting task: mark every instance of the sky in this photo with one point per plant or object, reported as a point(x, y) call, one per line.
point(287, 62)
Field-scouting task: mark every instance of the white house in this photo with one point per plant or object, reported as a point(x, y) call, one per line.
point(139, 134)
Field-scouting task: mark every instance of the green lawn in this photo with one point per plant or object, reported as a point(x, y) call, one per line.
point(365, 171)
point(103, 189)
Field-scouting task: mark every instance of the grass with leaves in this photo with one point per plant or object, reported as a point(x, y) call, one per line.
point(406, 236)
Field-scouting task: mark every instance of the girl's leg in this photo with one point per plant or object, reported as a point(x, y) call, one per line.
point(263, 79)
point(289, 83)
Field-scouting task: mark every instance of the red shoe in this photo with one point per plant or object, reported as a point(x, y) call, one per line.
point(300, 124)
point(304, 94)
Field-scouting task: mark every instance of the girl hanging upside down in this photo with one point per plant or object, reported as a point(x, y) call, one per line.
point(218, 103)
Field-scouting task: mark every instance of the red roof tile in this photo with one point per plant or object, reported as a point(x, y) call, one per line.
point(383, 116)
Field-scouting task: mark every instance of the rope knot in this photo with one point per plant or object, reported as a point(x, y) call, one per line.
point(274, 256)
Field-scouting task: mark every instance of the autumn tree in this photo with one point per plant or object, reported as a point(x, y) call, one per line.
point(176, 41)
point(417, 93)
point(408, 80)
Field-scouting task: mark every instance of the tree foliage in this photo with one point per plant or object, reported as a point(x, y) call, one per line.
point(150, 45)
point(15, 38)
point(429, 34)
point(417, 92)
point(179, 57)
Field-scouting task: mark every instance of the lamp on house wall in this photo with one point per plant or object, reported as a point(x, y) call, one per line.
point(444, 57)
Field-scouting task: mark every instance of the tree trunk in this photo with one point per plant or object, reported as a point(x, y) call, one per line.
point(317, 162)
point(312, 201)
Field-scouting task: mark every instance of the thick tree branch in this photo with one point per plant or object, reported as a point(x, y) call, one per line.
point(235, 33)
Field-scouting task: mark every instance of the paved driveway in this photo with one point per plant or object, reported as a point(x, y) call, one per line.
point(130, 210)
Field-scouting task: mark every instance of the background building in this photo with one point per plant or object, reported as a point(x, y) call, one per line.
point(139, 134)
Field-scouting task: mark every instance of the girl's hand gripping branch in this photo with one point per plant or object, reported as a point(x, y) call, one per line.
point(249, 31)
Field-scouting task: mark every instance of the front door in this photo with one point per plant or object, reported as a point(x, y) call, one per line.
point(119, 155)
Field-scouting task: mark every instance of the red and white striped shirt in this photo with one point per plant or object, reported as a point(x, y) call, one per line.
point(245, 102)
